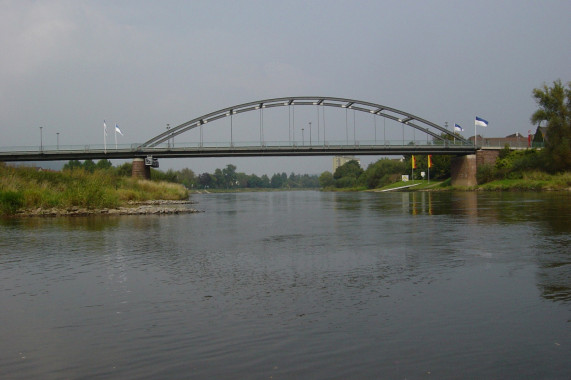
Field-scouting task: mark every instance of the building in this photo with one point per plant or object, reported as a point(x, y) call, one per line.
point(516, 140)
point(341, 160)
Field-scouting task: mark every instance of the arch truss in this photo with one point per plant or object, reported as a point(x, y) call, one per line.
point(405, 118)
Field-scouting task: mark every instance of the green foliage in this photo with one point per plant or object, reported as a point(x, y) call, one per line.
point(103, 165)
point(88, 165)
point(348, 174)
point(555, 108)
point(510, 165)
point(31, 188)
point(440, 169)
point(326, 180)
point(485, 173)
point(125, 170)
point(383, 172)
point(348, 169)
point(10, 202)
point(229, 178)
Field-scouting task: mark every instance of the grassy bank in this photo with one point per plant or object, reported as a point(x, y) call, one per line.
point(28, 188)
point(531, 181)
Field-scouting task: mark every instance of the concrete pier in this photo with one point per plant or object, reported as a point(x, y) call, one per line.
point(140, 170)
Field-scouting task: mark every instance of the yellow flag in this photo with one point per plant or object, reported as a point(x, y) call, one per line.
point(413, 161)
point(430, 160)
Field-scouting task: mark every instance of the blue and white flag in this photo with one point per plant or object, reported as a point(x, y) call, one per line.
point(481, 122)
point(104, 128)
point(458, 128)
point(117, 130)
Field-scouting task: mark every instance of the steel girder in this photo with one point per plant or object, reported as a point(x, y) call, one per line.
point(325, 101)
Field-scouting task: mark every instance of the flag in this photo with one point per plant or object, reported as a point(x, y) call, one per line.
point(413, 162)
point(458, 128)
point(430, 160)
point(481, 122)
point(118, 130)
point(104, 128)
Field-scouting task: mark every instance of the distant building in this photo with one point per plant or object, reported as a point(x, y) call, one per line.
point(516, 140)
point(341, 160)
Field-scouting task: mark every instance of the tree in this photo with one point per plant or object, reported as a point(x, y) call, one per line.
point(265, 181)
point(276, 181)
point(347, 174)
point(555, 108)
point(205, 180)
point(103, 164)
point(125, 170)
point(187, 177)
point(229, 174)
point(89, 165)
point(326, 180)
point(72, 164)
point(382, 172)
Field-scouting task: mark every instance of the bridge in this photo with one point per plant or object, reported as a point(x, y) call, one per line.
point(434, 139)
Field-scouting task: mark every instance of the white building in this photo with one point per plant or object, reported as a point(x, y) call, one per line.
point(341, 160)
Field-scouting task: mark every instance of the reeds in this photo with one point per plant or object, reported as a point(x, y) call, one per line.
point(29, 188)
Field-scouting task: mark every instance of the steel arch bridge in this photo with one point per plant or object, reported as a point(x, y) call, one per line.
point(399, 116)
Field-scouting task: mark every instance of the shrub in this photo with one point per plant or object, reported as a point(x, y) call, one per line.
point(485, 173)
point(10, 202)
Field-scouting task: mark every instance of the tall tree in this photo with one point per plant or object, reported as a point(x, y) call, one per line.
point(555, 108)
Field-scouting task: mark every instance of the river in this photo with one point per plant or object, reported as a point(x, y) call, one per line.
point(288, 285)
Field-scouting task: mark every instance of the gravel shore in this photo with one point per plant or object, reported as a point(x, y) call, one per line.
point(155, 207)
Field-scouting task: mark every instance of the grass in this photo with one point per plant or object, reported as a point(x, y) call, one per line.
point(415, 185)
point(28, 188)
point(531, 181)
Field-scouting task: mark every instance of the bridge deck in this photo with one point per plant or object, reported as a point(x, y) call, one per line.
point(227, 151)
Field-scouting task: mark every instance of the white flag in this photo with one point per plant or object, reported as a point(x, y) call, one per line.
point(481, 122)
point(104, 127)
point(118, 130)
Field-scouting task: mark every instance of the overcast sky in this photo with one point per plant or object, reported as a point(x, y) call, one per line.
point(67, 65)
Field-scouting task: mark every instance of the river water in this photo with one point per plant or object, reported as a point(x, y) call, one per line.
point(288, 285)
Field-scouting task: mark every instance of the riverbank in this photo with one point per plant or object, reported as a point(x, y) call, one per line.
point(29, 191)
point(154, 207)
point(534, 181)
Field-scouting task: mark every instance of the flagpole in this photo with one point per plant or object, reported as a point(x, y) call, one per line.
point(475, 126)
point(115, 138)
point(104, 137)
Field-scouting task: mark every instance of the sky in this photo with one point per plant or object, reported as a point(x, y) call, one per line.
point(68, 65)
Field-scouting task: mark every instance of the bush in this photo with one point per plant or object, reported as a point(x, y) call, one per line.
point(485, 173)
point(10, 202)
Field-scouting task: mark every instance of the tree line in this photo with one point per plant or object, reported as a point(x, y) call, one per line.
point(226, 178)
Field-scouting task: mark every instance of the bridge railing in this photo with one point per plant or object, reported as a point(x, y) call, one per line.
point(236, 144)
point(286, 144)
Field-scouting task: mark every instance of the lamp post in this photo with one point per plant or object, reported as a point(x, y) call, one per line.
point(302, 138)
point(310, 133)
point(169, 138)
point(41, 140)
point(57, 134)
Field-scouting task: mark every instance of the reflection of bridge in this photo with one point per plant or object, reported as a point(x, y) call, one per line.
point(439, 140)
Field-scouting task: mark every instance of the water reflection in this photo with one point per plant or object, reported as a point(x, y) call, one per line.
point(266, 280)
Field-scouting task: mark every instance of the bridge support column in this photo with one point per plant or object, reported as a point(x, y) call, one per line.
point(140, 170)
point(463, 171)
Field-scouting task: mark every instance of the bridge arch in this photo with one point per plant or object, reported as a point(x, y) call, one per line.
point(400, 116)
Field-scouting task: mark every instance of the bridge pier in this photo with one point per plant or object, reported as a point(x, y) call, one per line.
point(464, 168)
point(140, 169)
point(463, 171)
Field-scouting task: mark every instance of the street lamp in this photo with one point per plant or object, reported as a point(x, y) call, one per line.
point(302, 138)
point(169, 138)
